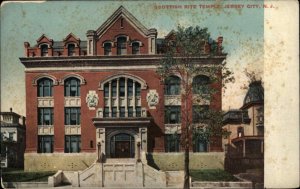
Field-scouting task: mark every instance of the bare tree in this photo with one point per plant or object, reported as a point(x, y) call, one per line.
point(190, 52)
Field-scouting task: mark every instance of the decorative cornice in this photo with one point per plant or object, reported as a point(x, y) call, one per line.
point(100, 61)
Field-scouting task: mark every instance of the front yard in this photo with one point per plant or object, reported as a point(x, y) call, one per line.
point(18, 175)
point(211, 175)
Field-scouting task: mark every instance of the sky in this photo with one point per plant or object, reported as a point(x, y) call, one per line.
point(242, 30)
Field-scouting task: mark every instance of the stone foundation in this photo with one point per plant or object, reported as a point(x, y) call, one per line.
point(175, 161)
point(58, 161)
point(81, 161)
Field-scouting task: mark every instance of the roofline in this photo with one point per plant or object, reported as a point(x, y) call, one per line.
point(121, 10)
point(247, 105)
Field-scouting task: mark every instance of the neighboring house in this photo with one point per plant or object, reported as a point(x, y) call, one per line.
point(245, 145)
point(103, 94)
point(13, 134)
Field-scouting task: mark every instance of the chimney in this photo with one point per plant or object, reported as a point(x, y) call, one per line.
point(26, 45)
point(10, 109)
point(220, 41)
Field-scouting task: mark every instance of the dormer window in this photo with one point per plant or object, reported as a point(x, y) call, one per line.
point(71, 50)
point(135, 48)
point(107, 48)
point(121, 46)
point(44, 50)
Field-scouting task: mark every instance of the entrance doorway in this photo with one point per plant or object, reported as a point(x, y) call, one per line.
point(122, 146)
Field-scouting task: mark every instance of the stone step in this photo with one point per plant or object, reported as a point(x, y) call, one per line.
point(120, 160)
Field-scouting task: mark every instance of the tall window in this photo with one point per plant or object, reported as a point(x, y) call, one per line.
point(71, 50)
point(172, 85)
point(45, 144)
point(200, 145)
point(200, 112)
point(72, 87)
point(72, 116)
point(201, 84)
point(121, 46)
point(135, 48)
point(45, 86)
point(107, 48)
point(118, 89)
point(44, 50)
point(172, 114)
point(45, 116)
point(172, 142)
point(72, 143)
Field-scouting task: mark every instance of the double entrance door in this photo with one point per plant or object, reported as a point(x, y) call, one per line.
point(122, 146)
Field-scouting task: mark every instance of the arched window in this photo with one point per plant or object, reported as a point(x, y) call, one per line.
point(135, 48)
point(45, 86)
point(107, 48)
point(44, 50)
point(201, 84)
point(71, 50)
point(72, 87)
point(122, 98)
point(172, 85)
point(121, 46)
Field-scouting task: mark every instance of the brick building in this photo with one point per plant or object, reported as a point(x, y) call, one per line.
point(245, 145)
point(12, 127)
point(103, 93)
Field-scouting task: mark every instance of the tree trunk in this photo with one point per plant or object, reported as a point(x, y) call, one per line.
point(186, 168)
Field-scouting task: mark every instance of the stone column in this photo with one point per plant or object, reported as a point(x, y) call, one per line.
point(118, 98)
point(100, 139)
point(143, 136)
point(109, 98)
point(126, 98)
point(133, 99)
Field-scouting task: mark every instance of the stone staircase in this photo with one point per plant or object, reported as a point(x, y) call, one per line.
point(122, 173)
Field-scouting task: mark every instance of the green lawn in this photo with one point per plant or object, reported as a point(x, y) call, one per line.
point(18, 175)
point(211, 175)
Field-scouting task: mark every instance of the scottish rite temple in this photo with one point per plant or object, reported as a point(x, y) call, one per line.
point(103, 94)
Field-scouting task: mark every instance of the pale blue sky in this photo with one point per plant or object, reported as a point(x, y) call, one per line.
point(242, 30)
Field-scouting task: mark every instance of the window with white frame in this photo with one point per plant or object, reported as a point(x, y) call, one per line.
point(72, 116)
point(172, 85)
point(45, 116)
point(72, 143)
point(44, 50)
point(172, 114)
point(45, 144)
point(71, 49)
point(172, 142)
point(72, 87)
point(107, 48)
point(135, 48)
point(121, 46)
point(122, 95)
point(45, 86)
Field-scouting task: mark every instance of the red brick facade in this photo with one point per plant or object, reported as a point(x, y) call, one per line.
point(90, 64)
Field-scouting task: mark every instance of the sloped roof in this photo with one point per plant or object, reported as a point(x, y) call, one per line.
point(255, 94)
point(121, 11)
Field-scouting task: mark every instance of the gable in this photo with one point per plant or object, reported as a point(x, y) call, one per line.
point(71, 38)
point(44, 39)
point(120, 13)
